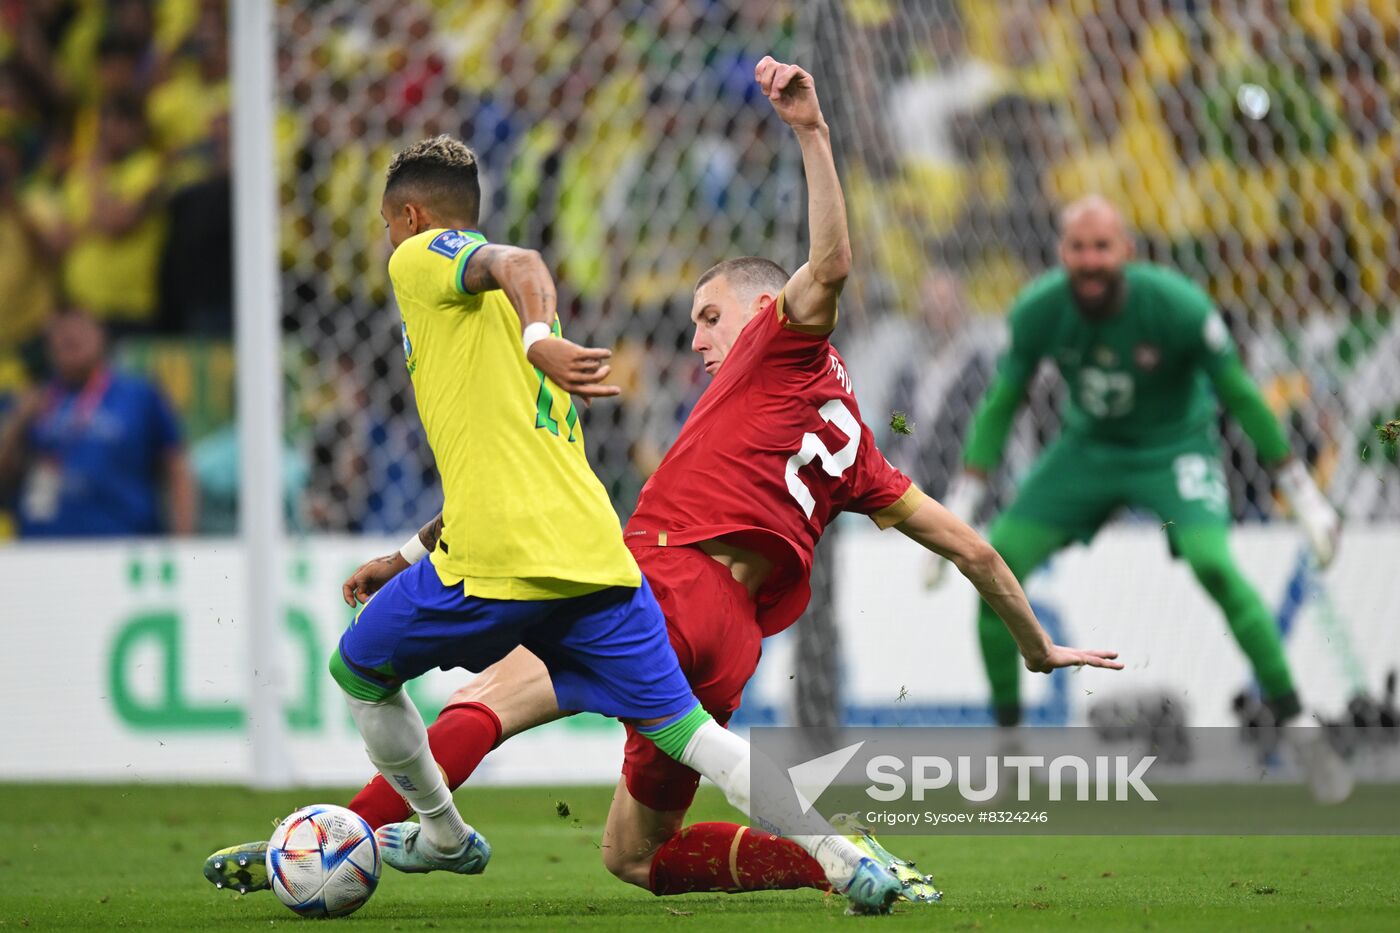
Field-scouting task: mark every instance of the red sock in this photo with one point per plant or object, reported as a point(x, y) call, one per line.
point(727, 857)
point(460, 737)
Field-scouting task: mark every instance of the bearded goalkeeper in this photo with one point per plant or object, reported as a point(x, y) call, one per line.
point(1145, 356)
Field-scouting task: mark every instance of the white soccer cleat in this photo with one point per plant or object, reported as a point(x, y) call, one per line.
point(402, 846)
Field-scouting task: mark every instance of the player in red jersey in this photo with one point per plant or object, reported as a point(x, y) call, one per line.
point(724, 532)
point(725, 529)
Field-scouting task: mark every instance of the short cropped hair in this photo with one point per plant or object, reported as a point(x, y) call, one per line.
point(441, 173)
point(749, 276)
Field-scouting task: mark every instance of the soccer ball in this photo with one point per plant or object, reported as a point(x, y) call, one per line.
point(323, 861)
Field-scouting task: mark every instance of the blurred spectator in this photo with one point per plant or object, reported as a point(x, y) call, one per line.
point(26, 279)
point(106, 223)
point(95, 451)
point(196, 267)
point(370, 469)
point(187, 105)
point(928, 109)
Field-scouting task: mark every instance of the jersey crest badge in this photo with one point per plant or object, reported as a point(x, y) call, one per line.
point(449, 243)
point(1147, 357)
point(1103, 356)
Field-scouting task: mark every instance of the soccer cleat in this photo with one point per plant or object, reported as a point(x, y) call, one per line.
point(239, 868)
point(873, 889)
point(401, 848)
point(916, 887)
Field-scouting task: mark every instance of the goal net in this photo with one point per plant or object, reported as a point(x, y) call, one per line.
point(623, 140)
point(1252, 145)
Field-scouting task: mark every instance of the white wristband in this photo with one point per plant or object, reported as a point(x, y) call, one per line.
point(534, 333)
point(413, 550)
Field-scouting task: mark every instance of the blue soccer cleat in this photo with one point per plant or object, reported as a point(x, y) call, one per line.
point(872, 889)
point(400, 845)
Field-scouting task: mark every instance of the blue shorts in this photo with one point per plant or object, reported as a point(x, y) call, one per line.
point(607, 652)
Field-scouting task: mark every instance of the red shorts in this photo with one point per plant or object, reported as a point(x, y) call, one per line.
point(710, 619)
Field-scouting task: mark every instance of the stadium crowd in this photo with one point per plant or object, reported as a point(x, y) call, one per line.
point(1255, 146)
point(1258, 153)
point(113, 131)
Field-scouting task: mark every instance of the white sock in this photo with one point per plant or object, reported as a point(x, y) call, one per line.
point(729, 762)
point(397, 743)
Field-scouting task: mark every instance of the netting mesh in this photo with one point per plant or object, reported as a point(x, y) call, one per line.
point(623, 140)
point(1253, 145)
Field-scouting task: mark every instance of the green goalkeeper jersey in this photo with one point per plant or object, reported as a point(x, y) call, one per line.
point(1147, 376)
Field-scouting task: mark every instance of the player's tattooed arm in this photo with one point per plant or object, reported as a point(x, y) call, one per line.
point(370, 576)
point(520, 273)
point(431, 533)
point(945, 534)
point(809, 298)
point(524, 277)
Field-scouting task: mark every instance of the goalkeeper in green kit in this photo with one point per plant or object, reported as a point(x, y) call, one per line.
point(1145, 357)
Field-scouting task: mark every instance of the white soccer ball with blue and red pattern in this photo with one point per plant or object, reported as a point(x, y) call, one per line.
point(323, 861)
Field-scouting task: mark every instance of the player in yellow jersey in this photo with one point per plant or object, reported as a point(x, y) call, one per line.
point(524, 517)
point(530, 552)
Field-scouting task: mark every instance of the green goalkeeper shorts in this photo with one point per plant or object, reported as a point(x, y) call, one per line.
point(1078, 484)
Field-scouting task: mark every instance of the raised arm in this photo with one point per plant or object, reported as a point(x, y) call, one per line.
point(945, 534)
point(809, 298)
point(986, 436)
point(1242, 399)
point(523, 276)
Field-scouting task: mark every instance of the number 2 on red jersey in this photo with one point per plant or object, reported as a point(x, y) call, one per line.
point(837, 413)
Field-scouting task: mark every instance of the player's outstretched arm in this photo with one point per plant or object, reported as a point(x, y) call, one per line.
point(809, 298)
point(945, 534)
point(371, 576)
point(523, 276)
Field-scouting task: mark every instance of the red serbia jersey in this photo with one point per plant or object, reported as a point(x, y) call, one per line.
point(773, 451)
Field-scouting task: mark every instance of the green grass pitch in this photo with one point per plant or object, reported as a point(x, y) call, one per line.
point(129, 857)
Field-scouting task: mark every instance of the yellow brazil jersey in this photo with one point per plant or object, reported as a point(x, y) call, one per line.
point(524, 517)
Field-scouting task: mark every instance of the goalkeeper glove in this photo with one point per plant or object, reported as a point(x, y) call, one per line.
point(1320, 521)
